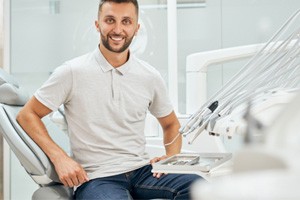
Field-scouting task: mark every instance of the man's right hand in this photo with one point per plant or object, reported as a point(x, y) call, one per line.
point(70, 173)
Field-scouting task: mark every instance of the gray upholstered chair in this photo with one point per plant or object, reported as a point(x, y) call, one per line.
point(32, 158)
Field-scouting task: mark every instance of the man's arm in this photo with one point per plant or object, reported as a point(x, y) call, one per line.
point(70, 172)
point(172, 138)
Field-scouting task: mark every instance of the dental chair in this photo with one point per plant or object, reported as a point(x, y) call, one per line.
point(32, 158)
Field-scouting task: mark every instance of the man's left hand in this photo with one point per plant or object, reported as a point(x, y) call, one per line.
point(157, 159)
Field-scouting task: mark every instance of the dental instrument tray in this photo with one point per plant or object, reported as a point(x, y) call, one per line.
point(191, 162)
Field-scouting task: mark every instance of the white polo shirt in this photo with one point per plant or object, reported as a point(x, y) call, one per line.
point(105, 110)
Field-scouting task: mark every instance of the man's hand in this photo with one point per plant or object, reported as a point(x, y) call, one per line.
point(70, 173)
point(157, 159)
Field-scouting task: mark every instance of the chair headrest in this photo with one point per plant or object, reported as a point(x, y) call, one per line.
point(10, 92)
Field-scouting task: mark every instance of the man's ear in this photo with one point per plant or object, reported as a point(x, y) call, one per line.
point(137, 29)
point(97, 25)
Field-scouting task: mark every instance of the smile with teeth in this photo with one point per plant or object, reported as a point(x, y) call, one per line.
point(116, 38)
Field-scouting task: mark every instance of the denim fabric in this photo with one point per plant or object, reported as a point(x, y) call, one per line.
point(138, 184)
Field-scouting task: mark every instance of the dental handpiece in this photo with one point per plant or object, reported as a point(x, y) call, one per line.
point(197, 121)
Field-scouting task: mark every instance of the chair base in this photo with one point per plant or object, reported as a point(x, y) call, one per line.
point(54, 192)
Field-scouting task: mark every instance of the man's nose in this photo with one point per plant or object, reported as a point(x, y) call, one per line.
point(118, 28)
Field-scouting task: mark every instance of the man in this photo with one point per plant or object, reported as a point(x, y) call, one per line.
point(106, 95)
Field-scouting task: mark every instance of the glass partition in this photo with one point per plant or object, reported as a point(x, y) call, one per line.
point(46, 33)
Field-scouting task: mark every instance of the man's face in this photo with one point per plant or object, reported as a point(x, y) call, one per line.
point(117, 24)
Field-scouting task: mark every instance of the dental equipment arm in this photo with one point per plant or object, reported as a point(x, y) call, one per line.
point(197, 119)
point(276, 66)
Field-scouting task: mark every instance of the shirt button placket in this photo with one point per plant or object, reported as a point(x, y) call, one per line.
point(116, 86)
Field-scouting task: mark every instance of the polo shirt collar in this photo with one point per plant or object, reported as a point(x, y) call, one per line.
point(105, 66)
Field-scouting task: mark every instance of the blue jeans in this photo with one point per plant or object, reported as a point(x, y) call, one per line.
point(137, 184)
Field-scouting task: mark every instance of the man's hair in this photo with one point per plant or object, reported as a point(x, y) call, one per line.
point(134, 2)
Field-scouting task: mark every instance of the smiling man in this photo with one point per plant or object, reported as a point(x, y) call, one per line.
point(118, 27)
point(107, 94)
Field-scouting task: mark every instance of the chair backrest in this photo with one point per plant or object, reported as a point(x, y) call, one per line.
point(32, 158)
point(10, 92)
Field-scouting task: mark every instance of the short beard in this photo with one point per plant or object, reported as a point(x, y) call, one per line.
point(120, 50)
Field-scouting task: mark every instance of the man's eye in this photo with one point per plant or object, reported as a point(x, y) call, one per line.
point(126, 22)
point(109, 21)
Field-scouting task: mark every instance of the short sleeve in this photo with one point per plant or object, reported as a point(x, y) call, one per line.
point(161, 105)
point(57, 89)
